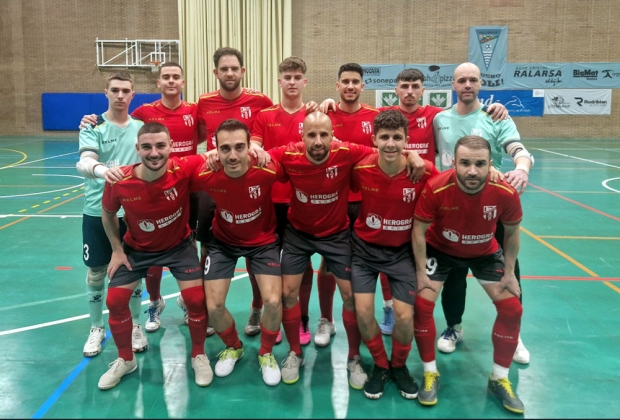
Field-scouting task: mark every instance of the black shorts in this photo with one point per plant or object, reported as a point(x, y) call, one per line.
point(222, 259)
point(298, 247)
point(206, 212)
point(353, 211)
point(397, 263)
point(194, 200)
point(182, 260)
point(485, 268)
point(281, 210)
point(96, 248)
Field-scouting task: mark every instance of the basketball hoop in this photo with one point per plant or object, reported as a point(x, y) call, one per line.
point(155, 66)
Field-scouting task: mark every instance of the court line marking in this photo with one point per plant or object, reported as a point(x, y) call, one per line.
point(11, 165)
point(39, 160)
point(596, 238)
point(59, 216)
point(608, 187)
point(49, 191)
point(41, 211)
point(40, 302)
point(578, 158)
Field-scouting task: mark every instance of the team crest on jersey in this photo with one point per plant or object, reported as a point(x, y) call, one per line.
point(226, 215)
point(421, 122)
point(366, 127)
point(246, 112)
point(171, 194)
point(451, 235)
point(301, 128)
point(146, 225)
point(373, 221)
point(301, 196)
point(408, 195)
point(489, 212)
point(254, 191)
point(188, 120)
point(331, 172)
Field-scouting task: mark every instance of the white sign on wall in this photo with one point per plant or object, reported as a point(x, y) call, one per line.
point(577, 101)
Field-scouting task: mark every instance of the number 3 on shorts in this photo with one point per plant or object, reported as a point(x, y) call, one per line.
point(431, 265)
point(86, 256)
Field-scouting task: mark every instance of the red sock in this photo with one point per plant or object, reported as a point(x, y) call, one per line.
point(400, 352)
point(267, 340)
point(385, 286)
point(120, 320)
point(153, 283)
point(327, 288)
point(424, 328)
point(505, 334)
point(306, 289)
point(349, 319)
point(230, 337)
point(257, 299)
point(290, 321)
point(194, 299)
point(377, 351)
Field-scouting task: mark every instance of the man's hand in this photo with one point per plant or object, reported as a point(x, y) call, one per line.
point(212, 160)
point(415, 166)
point(311, 107)
point(495, 175)
point(113, 175)
point(509, 282)
point(88, 120)
point(262, 158)
point(118, 258)
point(497, 111)
point(518, 178)
point(326, 105)
point(424, 282)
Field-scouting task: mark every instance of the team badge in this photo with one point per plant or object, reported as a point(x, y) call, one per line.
point(408, 195)
point(301, 196)
point(226, 215)
point(476, 132)
point(171, 194)
point(373, 221)
point(254, 191)
point(146, 225)
point(331, 172)
point(301, 128)
point(489, 212)
point(246, 112)
point(421, 122)
point(366, 127)
point(188, 120)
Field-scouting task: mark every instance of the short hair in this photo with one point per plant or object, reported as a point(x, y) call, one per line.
point(169, 64)
point(231, 125)
point(292, 64)
point(474, 143)
point(351, 67)
point(227, 51)
point(119, 75)
point(153, 128)
point(410, 75)
point(390, 120)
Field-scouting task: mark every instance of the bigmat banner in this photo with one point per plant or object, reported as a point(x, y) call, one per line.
point(577, 101)
point(488, 49)
point(595, 75)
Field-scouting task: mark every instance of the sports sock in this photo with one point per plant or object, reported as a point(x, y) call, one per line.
point(400, 352)
point(377, 351)
point(153, 282)
point(120, 320)
point(424, 328)
point(349, 319)
point(290, 321)
point(267, 340)
point(230, 337)
point(505, 335)
point(194, 298)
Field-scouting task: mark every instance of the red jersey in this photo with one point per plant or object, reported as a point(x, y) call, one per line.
point(463, 225)
point(213, 109)
point(421, 135)
point(244, 214)
point(157, 212)
point(181, 122)
point(274, 127)
point(388, 202)
point(319, 205)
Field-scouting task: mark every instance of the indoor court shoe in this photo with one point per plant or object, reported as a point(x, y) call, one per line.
point(253, 327)
point(373, 388)
point(387, 326)
point(202, 370)
point(290, 368)
point(228, 359)
point(183, 308)
point(153, 321)
point(210, 329)
point(304, 332)
point(427, 394)
point(449, 337)
point(502, 389)
point(522, 355)
point(139, 342)
point(93, 342)
point(357, 376)
point(270, 369)
point(324, 332)
point(279, 337)
point(404, 382)
point(118, 369)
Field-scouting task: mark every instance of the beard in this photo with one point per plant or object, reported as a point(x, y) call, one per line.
point(229, 88)
point(471, 184)
point(318, 154)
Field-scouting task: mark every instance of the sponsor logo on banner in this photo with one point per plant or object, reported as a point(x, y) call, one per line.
point(559, 102)
point(587, 74)
point(578, 101)
point(439, 99)
point(389, 99)
point(610, 74)
point(381, 76)
point(553, 77)
point(188, 120)
point(489, 212)
point(593, 102)
point(434, 78)
point(519, 103)
point(254, 191)
point(246, 112)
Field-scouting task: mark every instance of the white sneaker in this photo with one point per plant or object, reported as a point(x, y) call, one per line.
point(183, 308)
point(202, 370)
point(253, 326)
point(522, 355)
point(324, 332)
point(139, 342)
point(290, 368)
point(118, 369)
point(357, 377)
point(269, 368)
point(449, 337)
point(93, 342)
point(154, 312)
point(228, 359)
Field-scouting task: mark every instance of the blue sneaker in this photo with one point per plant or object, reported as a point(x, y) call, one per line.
point(387, 326)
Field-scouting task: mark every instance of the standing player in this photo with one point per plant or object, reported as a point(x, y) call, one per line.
point(110, 142)
point(455, 221)
point(155, 195)
point(381, 242)
point(470, 117)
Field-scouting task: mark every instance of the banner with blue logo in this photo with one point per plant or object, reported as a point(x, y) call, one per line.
point(381, 76)
point(488, 49)
point(519, 103)
point(595, 75)
point(436, 76)
point(537, 75)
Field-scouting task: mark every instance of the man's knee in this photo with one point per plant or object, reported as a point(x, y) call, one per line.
point(95, 276)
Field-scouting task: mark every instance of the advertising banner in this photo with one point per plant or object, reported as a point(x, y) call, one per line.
point(488, 49)
point(577, 101)
point(438, 98)
point(595, 75)
point(381, 76)
point(537, 75)
point(519, 103)
point(436, 76)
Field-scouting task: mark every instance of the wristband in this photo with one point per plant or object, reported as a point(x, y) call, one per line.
point(523, 168)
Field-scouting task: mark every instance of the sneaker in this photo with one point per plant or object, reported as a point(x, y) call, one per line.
point(358, 377)
point(183, 308)
point(324, 332)
point(138, 339)
point(449, 337)
point(387, 326)
point(202, 370)
point(154, 312)
point(118, 369)
point(253, 327)
point(279, 337)
point(290, 368)
point(373, 388)
point(93, 342)
point(304, 331)
point(269, 368)
point(404, 382)
point(502, 389)
point(427, 395)
point(210, 329)
point(522, 355)
point(228, 358)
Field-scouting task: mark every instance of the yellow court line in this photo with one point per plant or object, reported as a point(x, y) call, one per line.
point(42, 211)
point(25, 156)
point(597, 238)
